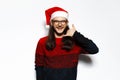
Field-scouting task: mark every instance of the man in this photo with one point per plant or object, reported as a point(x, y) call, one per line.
point(57, 54)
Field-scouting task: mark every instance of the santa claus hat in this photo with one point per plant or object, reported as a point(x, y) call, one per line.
point(54, 12)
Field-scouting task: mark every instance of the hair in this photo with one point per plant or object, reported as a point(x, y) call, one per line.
point(67, 41)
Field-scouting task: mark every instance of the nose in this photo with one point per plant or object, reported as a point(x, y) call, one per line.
point(59, 23)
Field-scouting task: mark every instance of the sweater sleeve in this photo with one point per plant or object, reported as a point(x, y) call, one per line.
point(39, 61)
point(88, 45)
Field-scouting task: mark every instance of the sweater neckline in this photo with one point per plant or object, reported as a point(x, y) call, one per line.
point(58, 40)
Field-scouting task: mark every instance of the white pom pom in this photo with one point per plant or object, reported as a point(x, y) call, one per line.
point(47, 26)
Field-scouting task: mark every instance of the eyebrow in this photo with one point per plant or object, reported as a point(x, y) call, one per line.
point(59, 20)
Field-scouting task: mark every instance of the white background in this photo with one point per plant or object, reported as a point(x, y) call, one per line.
point(22, 24)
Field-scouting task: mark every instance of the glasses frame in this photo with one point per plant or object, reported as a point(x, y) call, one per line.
point(59, 21)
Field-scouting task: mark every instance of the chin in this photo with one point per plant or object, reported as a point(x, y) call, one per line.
point(60, 31)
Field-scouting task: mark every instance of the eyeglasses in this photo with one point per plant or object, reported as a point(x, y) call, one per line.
point(57, 22)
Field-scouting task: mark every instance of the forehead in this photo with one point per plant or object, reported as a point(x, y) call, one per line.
point(59, 18)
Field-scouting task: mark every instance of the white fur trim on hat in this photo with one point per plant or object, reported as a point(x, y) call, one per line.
point(59, 14)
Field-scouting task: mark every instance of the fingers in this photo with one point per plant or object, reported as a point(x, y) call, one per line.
point(71, 31)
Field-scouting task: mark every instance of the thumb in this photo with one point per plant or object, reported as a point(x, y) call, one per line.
point(73, 26)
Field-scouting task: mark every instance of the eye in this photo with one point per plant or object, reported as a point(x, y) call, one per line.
point(57, 21)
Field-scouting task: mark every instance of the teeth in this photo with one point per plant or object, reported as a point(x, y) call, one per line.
point(59, 28)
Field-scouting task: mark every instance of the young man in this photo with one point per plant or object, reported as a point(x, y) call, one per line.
point(57, 54)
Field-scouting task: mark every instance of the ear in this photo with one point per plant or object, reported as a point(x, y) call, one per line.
point(67, 23)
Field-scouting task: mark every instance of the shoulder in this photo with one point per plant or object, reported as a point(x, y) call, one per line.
point(42, 40)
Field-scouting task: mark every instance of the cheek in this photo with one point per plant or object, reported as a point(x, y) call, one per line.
point(66, 25)
point(54, 25)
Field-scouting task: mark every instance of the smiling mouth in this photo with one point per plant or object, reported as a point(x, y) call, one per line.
point(59, 28)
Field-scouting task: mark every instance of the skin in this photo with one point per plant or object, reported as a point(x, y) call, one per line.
point(60, 26)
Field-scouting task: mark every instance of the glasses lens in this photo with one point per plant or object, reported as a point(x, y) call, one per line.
point(57, 21)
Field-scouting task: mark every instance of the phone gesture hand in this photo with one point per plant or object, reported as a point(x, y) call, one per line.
point(71, 31)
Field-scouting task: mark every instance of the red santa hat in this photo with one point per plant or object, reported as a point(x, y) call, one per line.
point(54, 12)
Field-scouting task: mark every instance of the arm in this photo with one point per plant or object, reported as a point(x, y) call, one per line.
point(87, 44)
point(39, 62)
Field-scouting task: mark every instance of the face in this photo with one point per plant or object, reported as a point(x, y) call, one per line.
point(59, 24)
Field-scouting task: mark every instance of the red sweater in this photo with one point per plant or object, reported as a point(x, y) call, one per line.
point(59, 64)
point(56, 58)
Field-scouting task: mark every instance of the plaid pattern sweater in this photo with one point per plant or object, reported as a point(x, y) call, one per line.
point(60, 64)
